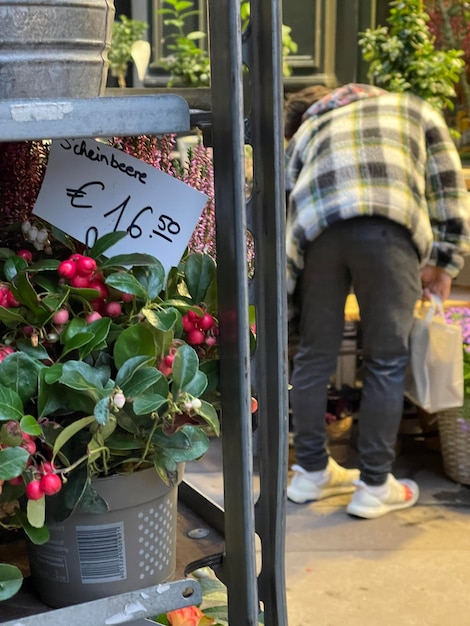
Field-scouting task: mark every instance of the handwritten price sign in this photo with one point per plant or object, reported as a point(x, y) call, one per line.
point(91, 189)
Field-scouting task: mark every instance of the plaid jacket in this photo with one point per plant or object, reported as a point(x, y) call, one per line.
point(377, 153)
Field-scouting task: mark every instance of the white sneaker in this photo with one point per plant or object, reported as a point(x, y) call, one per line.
point(371, 502)
point(333, 481)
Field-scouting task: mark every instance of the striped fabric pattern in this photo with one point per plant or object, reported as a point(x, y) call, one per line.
point(390, 155)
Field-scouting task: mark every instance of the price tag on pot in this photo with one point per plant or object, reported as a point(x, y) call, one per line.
point(91, 189)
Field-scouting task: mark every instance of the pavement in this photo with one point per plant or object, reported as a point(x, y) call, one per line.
point(409, 568)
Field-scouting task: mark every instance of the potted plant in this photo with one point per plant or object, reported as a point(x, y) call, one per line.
point(403, 56)
point(107, 367)
point(127, 33)
point(188, 65)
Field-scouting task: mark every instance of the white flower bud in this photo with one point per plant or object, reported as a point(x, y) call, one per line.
point(119, 400)
point(42, 235)
point(25, 226)
point(32, 233)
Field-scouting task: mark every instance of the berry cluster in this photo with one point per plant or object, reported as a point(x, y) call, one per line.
point(200, 328)
point(39, 479)
point(80, 271)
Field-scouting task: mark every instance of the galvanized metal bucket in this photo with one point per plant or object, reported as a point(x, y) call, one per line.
point(54, 48)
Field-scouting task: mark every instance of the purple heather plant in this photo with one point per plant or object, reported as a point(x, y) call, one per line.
point(461, 315)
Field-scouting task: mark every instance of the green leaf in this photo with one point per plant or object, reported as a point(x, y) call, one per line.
point(135, 259)
point(161, 320)
point(30, 426)
point(61, 505)
point(26, 294)
point(101, 411)
point(134, 340)
point(147, 403)
point(20, 372)
point(200, 271)
point(37, 536)
point(100, 331)
point(76, 342)
point(129, 369)
point(127, 284)
point(121, 441)
point(196, 386)
point(71, 430)
point(152, 279)
point(50, 375)
point(11, 316)
point(211, 370)
point(44, 265)
point(75, 326)
point(140, 381)
point(185, 366)
point(105, 242)
point(92, 502)
point(36, 512)
point(11, 405)
point(209, 414)
point(12, 266)
point(11, 580)
point(82, 377)
point(13, 462)
point(187, 444)
point(35, 352)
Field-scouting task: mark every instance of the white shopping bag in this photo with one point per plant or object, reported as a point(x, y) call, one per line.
point(434, 379)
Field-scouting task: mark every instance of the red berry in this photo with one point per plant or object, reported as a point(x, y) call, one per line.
point(34, 490)
point(188, 324)
point(80, 282)
point(47, 467)
point(163, 368)
point(51, 484)
point(98, 304)
point(28, 445)
point(193, 316)
point(67, 269)
point(85, 266)
point(169, 360)
point(18, 480)
point(27, 255)
point(196, 337)
point(75, 257)
point(100, 287)
point(61, 317)
point(11, 300)
point(113, 309)
point(92, 317)
point(211, 340)
point(126, 297)
point(206, 322)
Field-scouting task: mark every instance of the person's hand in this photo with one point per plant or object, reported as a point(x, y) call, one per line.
point(435, 281)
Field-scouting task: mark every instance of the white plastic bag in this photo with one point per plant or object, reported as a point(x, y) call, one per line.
point(434, 379)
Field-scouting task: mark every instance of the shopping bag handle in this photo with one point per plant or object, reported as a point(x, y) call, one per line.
point(436, 306)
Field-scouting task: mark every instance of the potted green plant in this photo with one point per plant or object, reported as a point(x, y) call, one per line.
point(188, 65)
point(107, 367)
point(403, 56)
point(126, 33)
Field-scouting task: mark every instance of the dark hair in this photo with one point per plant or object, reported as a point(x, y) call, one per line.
point(296, 105)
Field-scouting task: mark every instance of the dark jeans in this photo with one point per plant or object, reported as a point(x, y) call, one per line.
point(377, 257)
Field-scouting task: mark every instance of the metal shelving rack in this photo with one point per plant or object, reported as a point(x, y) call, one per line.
point(242, 111)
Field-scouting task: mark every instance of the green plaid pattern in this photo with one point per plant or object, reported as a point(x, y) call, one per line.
point(390, 155)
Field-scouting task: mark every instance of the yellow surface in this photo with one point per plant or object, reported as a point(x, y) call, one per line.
point(352, 314)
